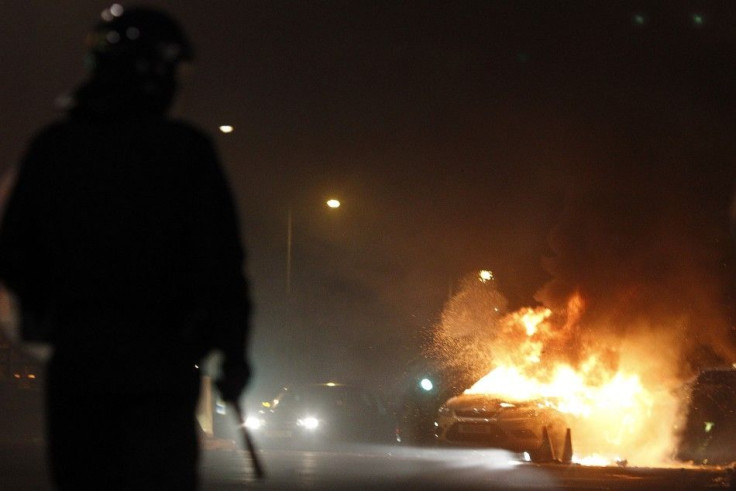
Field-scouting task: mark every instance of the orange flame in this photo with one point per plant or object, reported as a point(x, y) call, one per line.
point(609, 409)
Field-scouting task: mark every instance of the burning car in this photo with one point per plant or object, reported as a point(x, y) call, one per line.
point(326, 412)
point(489, 421)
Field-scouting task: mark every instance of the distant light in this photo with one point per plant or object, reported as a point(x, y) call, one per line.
point(639, 19)
point(333, 203)
point(485, 275)
point(31, 375)
point(226, 128)
point(253, 423)
point(309, 423)
point(426, 384)
point(331, 384)
point(112, 37)
point(117, 10)
point(698, 20)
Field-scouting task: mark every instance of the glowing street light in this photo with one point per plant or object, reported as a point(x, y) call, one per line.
point(333, 203)
point(226, 128)
point(426, 384)
point(485, 275)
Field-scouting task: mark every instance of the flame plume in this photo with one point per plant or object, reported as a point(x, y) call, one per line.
point(618, 402)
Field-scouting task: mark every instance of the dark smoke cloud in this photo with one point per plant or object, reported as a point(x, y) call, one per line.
point(643, 238)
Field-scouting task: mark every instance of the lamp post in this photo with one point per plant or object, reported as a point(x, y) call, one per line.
point(331, 203)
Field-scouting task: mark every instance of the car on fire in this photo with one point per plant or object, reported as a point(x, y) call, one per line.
point(709, 433)
point(487, 420)
point(314, 414)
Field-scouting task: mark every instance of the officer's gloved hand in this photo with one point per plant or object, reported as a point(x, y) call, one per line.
point(233, 380)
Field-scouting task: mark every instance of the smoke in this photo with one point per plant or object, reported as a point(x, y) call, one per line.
point(647, 248)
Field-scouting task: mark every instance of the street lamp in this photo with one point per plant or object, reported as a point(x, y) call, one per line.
point(331, 203)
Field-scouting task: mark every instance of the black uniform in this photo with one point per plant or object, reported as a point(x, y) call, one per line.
point(121, 241)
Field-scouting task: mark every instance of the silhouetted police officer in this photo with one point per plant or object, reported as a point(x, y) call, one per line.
point(121, 242)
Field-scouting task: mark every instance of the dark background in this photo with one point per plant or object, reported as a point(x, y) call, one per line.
point(566, 145)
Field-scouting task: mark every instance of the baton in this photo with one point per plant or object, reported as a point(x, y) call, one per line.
point(248, 442)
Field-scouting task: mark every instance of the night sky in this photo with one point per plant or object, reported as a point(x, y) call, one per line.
point(566, 145)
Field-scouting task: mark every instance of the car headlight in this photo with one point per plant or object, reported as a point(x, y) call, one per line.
point(309, 423)
point(254, 423)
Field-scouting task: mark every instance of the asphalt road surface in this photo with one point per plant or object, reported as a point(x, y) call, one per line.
point(398, 467)
point(387, 467)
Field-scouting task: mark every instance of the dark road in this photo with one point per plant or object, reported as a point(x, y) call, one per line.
point(389, 467)
point(437, 468)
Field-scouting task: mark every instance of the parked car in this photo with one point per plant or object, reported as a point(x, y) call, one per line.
point(324, 413)
point(489, 421)
point(709, 433)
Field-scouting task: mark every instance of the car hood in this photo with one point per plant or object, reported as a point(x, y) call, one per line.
point(477, 401)
point(488, 405)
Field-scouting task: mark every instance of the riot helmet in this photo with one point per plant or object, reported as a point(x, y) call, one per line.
point(132, 60)
point(136, 42)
